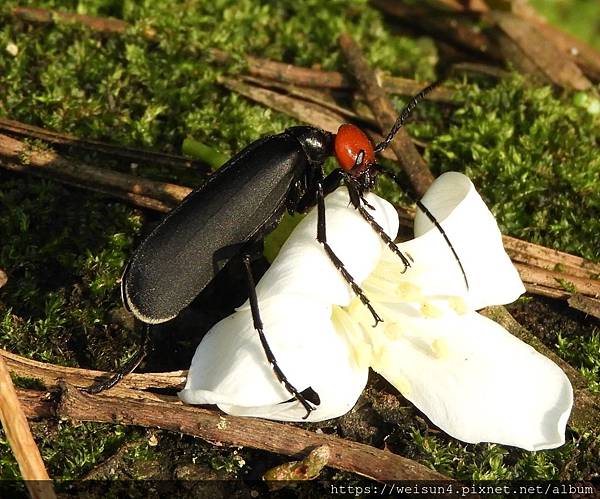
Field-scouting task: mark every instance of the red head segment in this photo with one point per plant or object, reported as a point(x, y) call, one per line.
point(349, 142)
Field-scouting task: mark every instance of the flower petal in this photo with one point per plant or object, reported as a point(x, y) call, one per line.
point(303, 268)
point(230, 368)
point(479, 383)
point(474, 234)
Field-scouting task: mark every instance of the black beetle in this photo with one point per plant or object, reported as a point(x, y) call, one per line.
point(237, 207)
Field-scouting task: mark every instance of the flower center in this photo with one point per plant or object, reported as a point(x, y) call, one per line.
point(398, 300)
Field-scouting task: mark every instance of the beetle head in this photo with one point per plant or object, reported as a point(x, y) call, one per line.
point(353, 150)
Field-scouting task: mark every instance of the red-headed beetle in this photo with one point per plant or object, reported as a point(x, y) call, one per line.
point(238, 206)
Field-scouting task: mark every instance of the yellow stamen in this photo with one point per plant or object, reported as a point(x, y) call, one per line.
point(439, 347)
point(393, 330)
point(458, 304)
point(363, 355)
point(358, 312)
point(431, 311)
point(409, 291)
point(353, 334)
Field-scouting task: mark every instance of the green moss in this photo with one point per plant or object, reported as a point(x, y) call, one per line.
point(533, 156)
point(68, 450)
point(64, 251)
point(583, 351)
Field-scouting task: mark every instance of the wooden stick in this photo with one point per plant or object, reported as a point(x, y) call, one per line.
point(20, 156)
point(302, 110)
point(307, 77)
point(447, 27)
point(559, 280)
point(169, 413)
point(50, 374)
point(23, 130)
point(561, 258)
point(410, 160)
point(586, 57)
point(322, 98)
point(44, 16)
point(257, 66)
point(308, 112)
point(541, 51)
point(21, 441)
point(585, 304)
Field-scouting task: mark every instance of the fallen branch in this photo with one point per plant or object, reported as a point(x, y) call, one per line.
point(519, 36)
point(257, 66)
point(307, 77)
point(541, 51)
point(410, 160)
point(559, 280)
point(22, 157)
point(139, 156)
point(167, 412)
point(446, 27)
point(18, 434)
point(585, 304)
point(50, 374)
point(586, 57)
point(44, 16)
point(558, 258)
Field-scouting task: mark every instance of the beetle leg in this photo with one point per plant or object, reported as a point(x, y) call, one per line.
point(130, 366)
point(357, 201)
point(322, 238)
point(330, 183)
point(406, 259)
point(390, 174)
point(258, 325)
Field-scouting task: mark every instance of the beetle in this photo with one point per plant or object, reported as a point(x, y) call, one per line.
point(237, 207)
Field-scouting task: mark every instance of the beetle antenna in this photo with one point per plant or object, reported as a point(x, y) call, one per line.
point(404, 114)
point(382, 169)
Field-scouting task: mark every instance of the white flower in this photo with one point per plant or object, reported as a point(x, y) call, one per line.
point(470, 376)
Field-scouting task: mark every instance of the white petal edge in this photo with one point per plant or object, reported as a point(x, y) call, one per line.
point(486, 386)
point(474, 234)
point(302, 266)
point(230, 368)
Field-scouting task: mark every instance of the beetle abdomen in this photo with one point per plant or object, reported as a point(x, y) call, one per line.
point(178, 259)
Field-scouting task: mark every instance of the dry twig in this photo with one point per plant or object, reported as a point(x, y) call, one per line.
point(21, 441)
point(128, 406)
point(44, 16)
point(585, 304)
point(20, 156)
point(410, 160)
point(25, 131)
point(445, 27)
point(540, 51)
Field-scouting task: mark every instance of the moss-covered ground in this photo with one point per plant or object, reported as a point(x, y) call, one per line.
point(532, 152)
